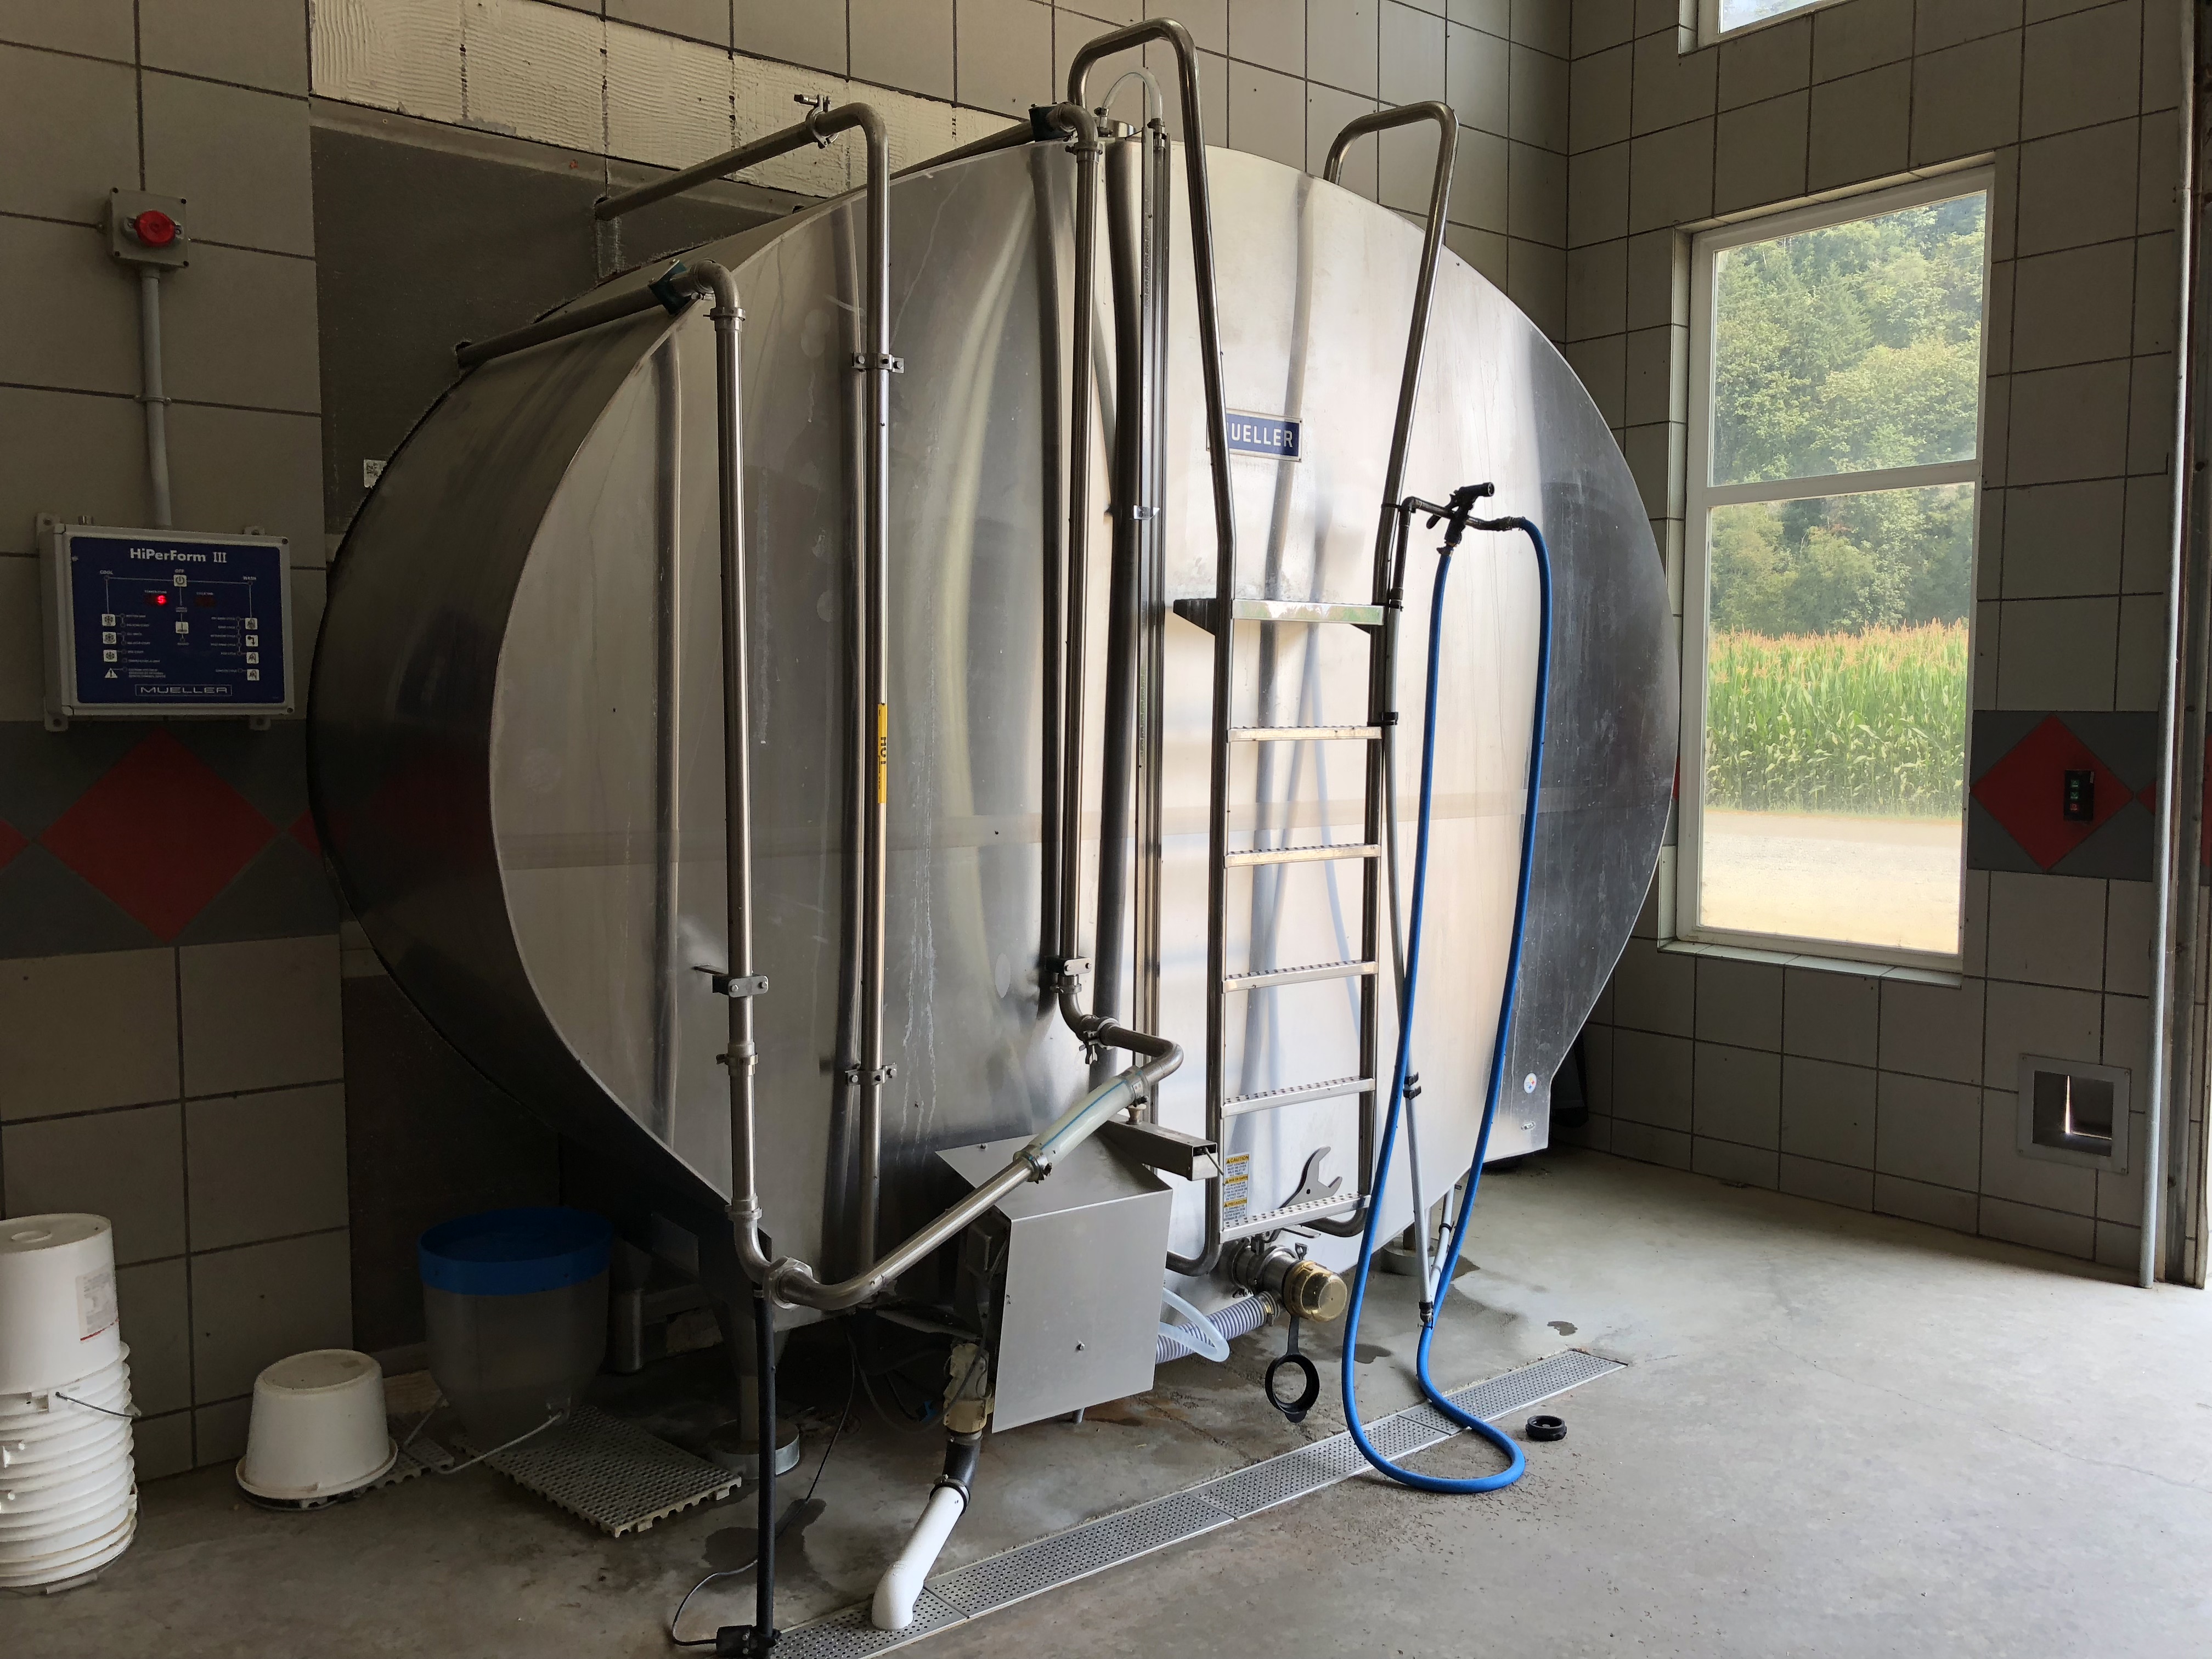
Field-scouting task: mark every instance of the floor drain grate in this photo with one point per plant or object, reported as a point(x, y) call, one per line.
point(971, 1591)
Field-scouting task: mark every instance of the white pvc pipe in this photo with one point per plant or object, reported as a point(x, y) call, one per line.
point(900, 1586)
point(153, 397)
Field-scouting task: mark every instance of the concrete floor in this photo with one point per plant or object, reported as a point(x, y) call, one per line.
point(1838, 1434)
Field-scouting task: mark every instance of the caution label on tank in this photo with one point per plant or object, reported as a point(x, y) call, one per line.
point(1236, 1182)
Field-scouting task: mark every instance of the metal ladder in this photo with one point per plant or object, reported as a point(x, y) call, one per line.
point(1230, 1215)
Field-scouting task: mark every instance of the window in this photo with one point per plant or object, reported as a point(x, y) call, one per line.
point(1834, 451)
point(1718, 17)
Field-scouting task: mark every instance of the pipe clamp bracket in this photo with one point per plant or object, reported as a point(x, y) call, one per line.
point(864, 360)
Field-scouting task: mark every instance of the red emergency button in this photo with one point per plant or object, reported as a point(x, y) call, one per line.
point(155, 228)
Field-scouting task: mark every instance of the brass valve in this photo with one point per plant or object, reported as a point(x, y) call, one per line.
point(1305, 1289)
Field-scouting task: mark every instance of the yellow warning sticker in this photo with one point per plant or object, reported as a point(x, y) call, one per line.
point(882, 753)
point(1236, 1181)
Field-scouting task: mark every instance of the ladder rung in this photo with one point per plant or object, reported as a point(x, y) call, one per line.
point(1271, 1099)
point(1295, 975)
point(1202, 611)
point(1312, 1210)
point(1305, 855)
point(1300, 733)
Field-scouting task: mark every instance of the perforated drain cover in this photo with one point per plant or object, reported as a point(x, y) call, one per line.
point(613, 1473)
point(970, 1592)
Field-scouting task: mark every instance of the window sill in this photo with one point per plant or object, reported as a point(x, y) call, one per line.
point(1819, 965)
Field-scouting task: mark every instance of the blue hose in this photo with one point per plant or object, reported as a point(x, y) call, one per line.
point(1497, 1437)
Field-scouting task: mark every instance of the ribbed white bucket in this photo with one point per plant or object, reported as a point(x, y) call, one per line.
point(69, 1500)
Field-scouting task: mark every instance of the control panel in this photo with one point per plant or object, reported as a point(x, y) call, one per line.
point(146, 623)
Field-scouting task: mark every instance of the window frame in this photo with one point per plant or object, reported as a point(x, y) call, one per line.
point(1700, 497)
point(1709, 32)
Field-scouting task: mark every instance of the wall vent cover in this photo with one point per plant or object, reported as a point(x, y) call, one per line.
point(2072, 1112)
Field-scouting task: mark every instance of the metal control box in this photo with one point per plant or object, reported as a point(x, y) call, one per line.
point(1065, 1276)
point(146, 624)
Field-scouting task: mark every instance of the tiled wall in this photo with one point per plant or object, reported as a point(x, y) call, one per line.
point(667, 82)
point(1879, 1091)
point(169, 1042)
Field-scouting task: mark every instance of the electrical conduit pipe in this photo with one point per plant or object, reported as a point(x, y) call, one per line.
point(1497, 1437)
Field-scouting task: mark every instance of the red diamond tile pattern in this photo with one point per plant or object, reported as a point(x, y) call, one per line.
point(303, 830)
point(160, 834)
point(11, 842)
point(2024, 792)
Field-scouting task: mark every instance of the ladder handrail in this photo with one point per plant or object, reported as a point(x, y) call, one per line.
point(1224, 527)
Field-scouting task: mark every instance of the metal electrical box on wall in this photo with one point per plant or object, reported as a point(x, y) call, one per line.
point(151, 624)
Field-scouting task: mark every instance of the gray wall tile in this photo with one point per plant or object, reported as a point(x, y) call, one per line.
point(239, 327)
point(1600, 364)
point(255, 1305)
point(1967, 99)
point(1598, 99)
point(814, 32)
point(87, 337)
point(1344, 44)
point(1739, 1003)
point(1648, 1144)
point(1536, 206)
point(68, 127)
point(1671, 87)
point(1267, 114)
point(1477, 78)
point(1595, 25)
point(2047, 930)
point(2057, 653)
point(264, 1166)
point(261, 1015)
point(1760, 154)
point(1412, 54)
point(1535, 280)
point(1916, 1201)
point(2068, 423)
point(695, 19)
point(161, 1446)
point(1540, 84)
point(1828, 1016)
point(1738, 1096)
point(2076, 188)
point(1479, 190)
point(1859, 127)
point(125, 1165)
point(79, 1033)
point(1651, 1079)
point(1739, 1165)
point(2081, 69)
point(1946, 22)
point(1543, 24)
point(1597, 196)
point(2040, 1020)
point(1328, 112)
point(1860, 35)
point(2039, 1228)
point(1932, 1031)
point(1655, 990)
point(2063, 540)
point(1766, 63)
point(1671, 177)
point(1930, 1131)
point(255, 43)
point(1005, 54)
point(233, 467)
point(156, 1321)
point(1829, 1183)
point(1828, 1111)
point(2074, 306)
point(238, 158)
point(906, 44)
point(1657, 375)
point(1271, 33)
point(102, 28)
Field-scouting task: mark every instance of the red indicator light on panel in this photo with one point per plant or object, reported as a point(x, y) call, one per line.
point(154, 228)
point(158, 598)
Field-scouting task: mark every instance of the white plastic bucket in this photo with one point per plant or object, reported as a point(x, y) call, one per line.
point(58, 1312)
point(317, 1427)
point(69, 1502)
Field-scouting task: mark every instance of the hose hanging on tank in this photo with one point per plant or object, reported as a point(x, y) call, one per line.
point(1461, 501)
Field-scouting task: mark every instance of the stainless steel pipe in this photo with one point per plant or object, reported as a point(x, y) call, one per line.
point(153, 398)
point(1225, 528)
